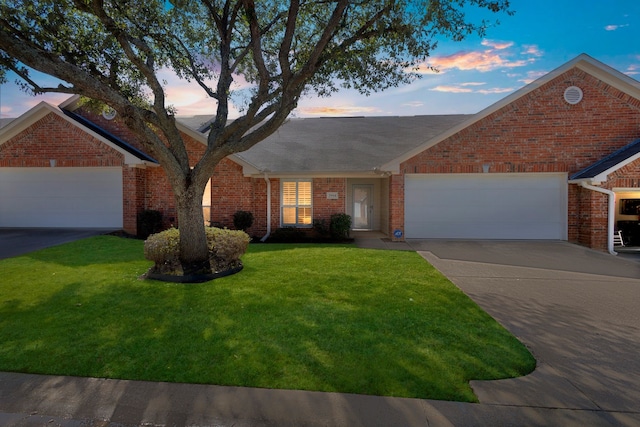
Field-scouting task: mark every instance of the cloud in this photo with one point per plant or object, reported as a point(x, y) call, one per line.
point(531, 76)
point(499, 55)
point(14, 102)
point(336, 111)
point(451, 89)
point(482, 61)
point(495, 90)
point(499, 45)
point(615, 27)
point(469, 88)
point(632, 70)
point(532, 49)
point(413, 104)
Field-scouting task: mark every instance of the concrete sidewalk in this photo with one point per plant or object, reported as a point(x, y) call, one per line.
point(576, 309)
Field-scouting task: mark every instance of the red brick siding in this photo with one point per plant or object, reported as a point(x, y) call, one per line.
point(396, 204)
point(134, 181)
point(625, 177)
point(231, 191)
point(323, 207)
point(52, 137)
point(539, 132)
point(592, 229)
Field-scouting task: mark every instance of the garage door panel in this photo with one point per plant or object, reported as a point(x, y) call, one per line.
point(61, 197)
point(505, 206)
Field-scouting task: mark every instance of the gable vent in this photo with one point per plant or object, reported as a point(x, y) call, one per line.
point(573, 95)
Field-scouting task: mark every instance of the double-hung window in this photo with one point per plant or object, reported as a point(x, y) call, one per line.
point(296, 202)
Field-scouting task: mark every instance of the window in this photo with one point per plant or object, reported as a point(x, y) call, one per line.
point(206, 203)
point(296, 203)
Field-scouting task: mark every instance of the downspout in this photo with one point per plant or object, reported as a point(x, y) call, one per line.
point(266, 236)
point(612, 213)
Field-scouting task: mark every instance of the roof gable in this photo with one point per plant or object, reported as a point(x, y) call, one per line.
point(38, 112)
point(584, 62)
point(599, 171)
point(109, 136)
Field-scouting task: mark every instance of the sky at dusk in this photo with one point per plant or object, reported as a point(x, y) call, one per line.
point(473, 74)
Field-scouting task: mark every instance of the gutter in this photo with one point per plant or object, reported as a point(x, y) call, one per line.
point(266, 236)
point(612, 212)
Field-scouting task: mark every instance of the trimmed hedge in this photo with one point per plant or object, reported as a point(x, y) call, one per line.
point(225, 249)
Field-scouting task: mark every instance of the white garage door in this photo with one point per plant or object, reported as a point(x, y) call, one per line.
point(61, 197)
point(486, 206)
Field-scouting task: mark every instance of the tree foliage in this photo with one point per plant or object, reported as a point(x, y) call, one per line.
point(112, 50)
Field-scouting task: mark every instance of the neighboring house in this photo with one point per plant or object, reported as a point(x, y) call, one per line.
point(558, 159)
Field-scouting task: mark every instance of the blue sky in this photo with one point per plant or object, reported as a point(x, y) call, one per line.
point(475, 73)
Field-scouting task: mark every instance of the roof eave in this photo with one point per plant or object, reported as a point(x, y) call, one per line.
point(321, 174)
point(40, 111)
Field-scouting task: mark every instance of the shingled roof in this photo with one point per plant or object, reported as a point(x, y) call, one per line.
point(610, 163)
point(340, 144)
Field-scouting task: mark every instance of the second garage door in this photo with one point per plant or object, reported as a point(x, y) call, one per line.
point(486, 206)
point(61, 197)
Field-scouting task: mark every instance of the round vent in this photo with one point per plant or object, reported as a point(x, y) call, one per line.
point(573, 95)
point(108, 113)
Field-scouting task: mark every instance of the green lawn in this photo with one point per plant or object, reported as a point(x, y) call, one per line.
point(309, 317)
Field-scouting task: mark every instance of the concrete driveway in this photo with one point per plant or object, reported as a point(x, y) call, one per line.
point(576, 309)
point(19, 241)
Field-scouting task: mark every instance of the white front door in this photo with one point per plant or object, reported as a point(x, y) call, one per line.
point(362, 207)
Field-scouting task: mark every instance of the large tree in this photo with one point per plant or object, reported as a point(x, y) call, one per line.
point(112, 50)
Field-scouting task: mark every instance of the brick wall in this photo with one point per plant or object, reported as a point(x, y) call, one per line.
point(231, 191)
point(323, 207)
point(625, 177)
point(539, 132)
point(53, 137)
point(592, 227)
point(134, 181)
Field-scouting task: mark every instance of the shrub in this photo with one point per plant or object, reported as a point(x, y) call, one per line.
point(340, 225)
point(163, 249)
point(149, 222)
point(242, 220)
point(321, 227)
point(225, 249)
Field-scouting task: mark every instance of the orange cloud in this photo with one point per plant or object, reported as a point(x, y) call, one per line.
point(481, 61)
point(336, 111)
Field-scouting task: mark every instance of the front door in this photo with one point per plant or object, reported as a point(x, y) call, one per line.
point(362, 207)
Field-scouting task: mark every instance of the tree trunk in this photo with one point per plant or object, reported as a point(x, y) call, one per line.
point(194, 253)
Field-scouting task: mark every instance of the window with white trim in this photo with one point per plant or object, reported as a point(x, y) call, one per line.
point(296, 202)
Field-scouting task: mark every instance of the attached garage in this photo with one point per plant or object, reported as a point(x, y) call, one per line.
point(60, 197)
point(486, 206)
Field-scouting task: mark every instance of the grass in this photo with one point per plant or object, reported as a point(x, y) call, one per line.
point(307, 317)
